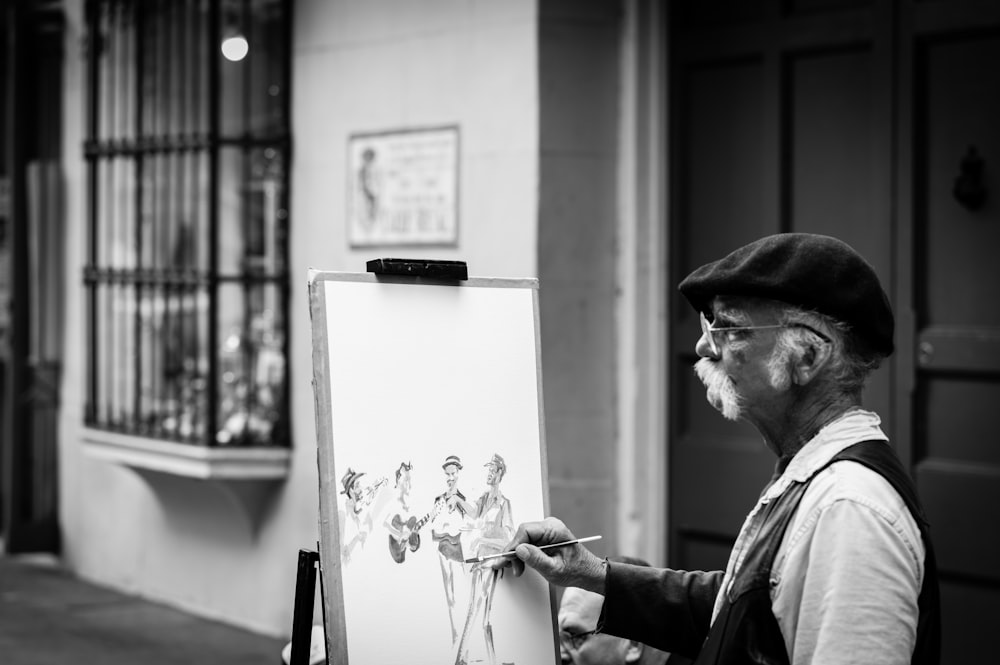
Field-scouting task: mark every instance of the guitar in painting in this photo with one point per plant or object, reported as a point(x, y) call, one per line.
point(405, 534)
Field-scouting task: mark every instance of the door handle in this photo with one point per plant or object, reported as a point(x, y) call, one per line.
point(969, 189)
point(925, 352)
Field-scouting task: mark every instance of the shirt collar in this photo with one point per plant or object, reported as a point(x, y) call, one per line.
point(852, 427)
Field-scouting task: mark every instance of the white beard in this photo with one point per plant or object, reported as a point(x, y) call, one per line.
point(720, 390)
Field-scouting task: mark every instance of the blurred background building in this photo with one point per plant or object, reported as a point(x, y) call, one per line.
point(162, 197)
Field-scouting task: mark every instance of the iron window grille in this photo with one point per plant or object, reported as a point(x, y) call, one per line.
point(186, 279)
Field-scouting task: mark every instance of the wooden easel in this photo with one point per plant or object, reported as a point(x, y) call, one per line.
point(309, 563)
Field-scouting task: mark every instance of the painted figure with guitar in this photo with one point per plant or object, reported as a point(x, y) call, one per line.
point(404, 528)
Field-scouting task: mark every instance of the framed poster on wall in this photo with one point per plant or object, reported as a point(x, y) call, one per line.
point(431, 450)
point(403, 188)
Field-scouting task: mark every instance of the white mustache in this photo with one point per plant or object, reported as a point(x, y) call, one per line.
point(720, 390)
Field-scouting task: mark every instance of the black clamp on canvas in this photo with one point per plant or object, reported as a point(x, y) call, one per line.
point(425, 268)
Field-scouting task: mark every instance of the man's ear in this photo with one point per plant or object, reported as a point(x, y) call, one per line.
point(813, 359)
point(634, 652)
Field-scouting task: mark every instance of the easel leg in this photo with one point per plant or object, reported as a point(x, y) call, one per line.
point(305, 598)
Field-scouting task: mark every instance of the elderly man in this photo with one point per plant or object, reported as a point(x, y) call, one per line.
point(834, 563)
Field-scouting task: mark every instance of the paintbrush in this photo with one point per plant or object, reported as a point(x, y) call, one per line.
point(480, 559)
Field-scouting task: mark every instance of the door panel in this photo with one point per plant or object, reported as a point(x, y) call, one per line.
point(960, 501)
point(967, 633)
point(956, 416)
point(833, 169)
point(961, 101)
point(729, 195)
point(956, 105)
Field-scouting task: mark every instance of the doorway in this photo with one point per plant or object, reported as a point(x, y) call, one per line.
point(31, 274)
point(873, 121)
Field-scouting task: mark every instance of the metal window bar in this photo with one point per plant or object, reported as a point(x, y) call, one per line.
point(212, 392)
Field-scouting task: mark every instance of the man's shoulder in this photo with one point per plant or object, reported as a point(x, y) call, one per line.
point(852, 509)
point(850, 481)
point(843, 478)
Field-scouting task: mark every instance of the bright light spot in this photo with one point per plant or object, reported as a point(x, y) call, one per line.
point(235, 48)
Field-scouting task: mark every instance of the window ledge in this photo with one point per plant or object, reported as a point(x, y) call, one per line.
point(187, 460)
point(247, 477)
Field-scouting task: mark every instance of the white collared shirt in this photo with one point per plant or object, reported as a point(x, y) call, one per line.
point(847, 575)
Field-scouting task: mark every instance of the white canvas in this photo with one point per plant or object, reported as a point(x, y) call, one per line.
point(413, 374)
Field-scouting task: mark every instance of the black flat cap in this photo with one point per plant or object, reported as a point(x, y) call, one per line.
point(806, 270)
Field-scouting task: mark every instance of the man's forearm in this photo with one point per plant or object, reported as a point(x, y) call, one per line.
point(664, 608)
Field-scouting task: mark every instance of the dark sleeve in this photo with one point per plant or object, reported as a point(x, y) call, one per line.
point(667, 609)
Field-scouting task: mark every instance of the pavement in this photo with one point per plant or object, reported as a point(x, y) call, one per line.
point(50, 617)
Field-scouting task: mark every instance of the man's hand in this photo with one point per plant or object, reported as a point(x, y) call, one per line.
point(570, 565)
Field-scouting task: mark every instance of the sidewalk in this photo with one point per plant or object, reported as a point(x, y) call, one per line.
point(48, 617)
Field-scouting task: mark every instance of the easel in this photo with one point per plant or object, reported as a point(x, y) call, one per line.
point(308, 561)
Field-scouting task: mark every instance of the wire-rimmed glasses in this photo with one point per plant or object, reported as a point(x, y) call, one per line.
point(575, 640)
point(709, 332)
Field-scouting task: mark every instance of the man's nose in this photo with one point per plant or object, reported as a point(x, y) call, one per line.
point(703, 348)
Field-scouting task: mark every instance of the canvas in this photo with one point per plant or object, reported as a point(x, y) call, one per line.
point(431, 451)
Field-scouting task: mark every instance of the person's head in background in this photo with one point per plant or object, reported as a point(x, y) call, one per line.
point(579, 611)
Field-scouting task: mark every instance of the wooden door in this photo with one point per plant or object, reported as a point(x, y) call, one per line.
point(781, 123)
point(858, 119)
point(952, 58)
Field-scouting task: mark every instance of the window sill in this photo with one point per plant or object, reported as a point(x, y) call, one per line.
point(187, 460)
point(247, 476)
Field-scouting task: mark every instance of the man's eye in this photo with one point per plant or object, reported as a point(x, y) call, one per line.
point(735, 335)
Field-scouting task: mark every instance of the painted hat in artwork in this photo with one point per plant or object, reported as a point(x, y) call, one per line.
point(349, 479)
point(498, 462)
point(452, 459)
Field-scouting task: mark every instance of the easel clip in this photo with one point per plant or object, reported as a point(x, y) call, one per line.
point(428, 268)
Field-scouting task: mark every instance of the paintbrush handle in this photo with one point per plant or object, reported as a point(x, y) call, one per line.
point(570, 542)
point(543, 547)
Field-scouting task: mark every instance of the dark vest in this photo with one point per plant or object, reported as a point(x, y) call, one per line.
point(747, 632)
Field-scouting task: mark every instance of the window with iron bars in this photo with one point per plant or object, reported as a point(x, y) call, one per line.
point(186, 279)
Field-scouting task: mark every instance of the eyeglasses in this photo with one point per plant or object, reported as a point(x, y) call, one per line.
point(575, 640)
point(709, 332)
